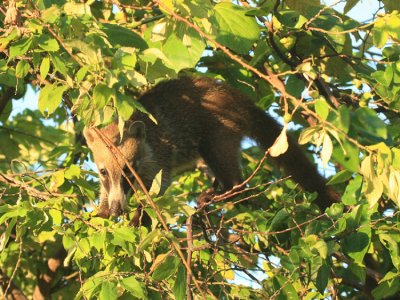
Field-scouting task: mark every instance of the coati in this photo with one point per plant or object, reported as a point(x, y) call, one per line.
point(197, 117)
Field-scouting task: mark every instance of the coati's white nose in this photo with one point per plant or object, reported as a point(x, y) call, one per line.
point(116, 200)
point(116, 209)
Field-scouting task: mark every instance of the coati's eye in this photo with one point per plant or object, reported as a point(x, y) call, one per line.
point(103, 172)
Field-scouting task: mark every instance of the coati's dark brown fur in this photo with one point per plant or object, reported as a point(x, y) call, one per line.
point(197, 117)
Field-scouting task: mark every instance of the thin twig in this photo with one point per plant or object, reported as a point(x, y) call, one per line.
point(15, 269)
point(189, 234)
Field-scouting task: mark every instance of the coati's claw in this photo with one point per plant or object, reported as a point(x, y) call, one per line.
point(140, 218)
point(206, 197)
point(103, 212)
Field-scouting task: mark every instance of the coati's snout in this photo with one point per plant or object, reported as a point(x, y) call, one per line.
point(111, 153)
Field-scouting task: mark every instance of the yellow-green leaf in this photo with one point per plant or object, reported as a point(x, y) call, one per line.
point(322, 108)
point(327, 149)
point(22, 69)
point(281, 144)
point(44, 68)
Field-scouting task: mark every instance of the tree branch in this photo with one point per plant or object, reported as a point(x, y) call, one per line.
point(14, 292)
point(31, 191)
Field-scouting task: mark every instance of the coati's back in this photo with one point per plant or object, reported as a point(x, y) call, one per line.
point(191, 107)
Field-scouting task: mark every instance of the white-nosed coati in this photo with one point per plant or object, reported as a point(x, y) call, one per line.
point(197, 117)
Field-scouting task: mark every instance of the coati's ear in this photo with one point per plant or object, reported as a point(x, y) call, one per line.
point(137, 130)
point(89, 135)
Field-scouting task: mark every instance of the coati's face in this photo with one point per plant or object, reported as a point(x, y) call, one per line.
point(111, 165)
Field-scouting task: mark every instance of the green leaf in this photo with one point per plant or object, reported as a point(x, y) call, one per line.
point(235, 29)
point(391, 5)
point(125, 106)
point(183, 51)
point(292, 19)
point(322, 278)
point(44, 68)
point(149, 238)
point(22, 69)
point(280, 218)
point(302, 6)
point(90, 286)
point(120, 36)
point(396, 158)
point(47, 43)
point(370, 124)
point(349, 5)
point(56, 216)
point(392, 241)
point(386, 26)
point(59, 64)
point(50, 15)
point(322, 108)
point(50, 97)
point(356, 245)
point(180, 284)
point(13, 212)
point(166, 268)
point(335, 211)
point(389, 72)
point(6, 235)
point(386, 289)
point(156, 184)
point(284, 289)
point(20, 47)
point(108, 291)
point(352, 193)
point(80, 75)
point(322, 248)
point(121, 235)
point(295, 86)
point(134, 287)
point(340, 177)
point(381, 78)
point(77, 9)
point(373, 184)
point(347, 156)
point(72, 172)
point(102, 95)
point(308, 134)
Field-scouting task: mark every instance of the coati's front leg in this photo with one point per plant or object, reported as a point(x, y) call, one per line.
point(221, 152)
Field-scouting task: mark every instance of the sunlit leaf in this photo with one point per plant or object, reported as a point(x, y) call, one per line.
point(281, 144)
point(50, 97)
point(134, 287)
point(166, 268)
point(235, 30)
point(22, 69)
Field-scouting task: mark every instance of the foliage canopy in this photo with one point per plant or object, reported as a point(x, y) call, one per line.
point(332, 78)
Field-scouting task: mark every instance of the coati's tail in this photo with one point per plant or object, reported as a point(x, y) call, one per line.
point(265, 130)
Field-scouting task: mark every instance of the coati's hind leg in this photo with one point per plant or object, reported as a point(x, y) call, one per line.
point(221, 152)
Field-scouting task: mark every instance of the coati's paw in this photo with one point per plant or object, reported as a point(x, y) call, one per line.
point(116, 209)
point(103, 212)
point(140, 218)
point(206, 197)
